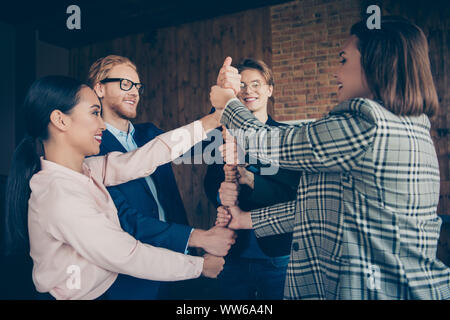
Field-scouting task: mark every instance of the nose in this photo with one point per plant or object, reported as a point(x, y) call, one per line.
point(247, 89)
point(134, 91)
point(102, 124)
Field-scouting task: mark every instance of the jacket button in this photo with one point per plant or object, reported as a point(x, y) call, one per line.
point(295, 246)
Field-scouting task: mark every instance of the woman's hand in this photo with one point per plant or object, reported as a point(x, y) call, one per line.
point(229, 77)
point(234, 218)
point(219, 97)
point(212, 265)
point(227, 87)
point(246, 177)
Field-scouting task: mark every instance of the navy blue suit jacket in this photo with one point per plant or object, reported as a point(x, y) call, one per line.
point(137, 209)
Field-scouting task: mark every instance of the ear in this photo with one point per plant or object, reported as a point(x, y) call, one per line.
point(270, 90)
point(60, 120)
point(99, 90)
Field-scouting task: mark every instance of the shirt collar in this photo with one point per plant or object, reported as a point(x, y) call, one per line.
point(118, 133)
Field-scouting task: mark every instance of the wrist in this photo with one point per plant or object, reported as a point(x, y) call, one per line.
point(196, 239)
point(250, 179)
point(230, 98)
point(211, 121)
point(245, 220)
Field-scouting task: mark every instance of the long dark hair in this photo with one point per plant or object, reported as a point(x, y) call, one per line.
point(44, 96)
point(397, 66)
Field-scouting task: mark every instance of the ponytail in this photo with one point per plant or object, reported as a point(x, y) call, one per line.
point(25, 164)
point(44, 96)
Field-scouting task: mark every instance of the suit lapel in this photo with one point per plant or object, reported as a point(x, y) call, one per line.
point(110, 143)
point(142, 136)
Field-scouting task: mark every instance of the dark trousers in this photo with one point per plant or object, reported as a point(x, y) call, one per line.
point(253, 279)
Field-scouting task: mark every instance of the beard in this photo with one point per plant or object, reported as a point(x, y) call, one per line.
point(123, 112)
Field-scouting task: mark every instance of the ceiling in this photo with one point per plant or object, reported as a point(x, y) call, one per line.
point(108, 19)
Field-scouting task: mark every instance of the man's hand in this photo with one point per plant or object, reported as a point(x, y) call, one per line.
point(231, 151)
point(228, 193)
point(231, 172)
point(212, 266)
point(234, 218)
point(216, 241)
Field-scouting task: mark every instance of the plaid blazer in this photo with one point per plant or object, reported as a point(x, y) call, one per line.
point(364, 223)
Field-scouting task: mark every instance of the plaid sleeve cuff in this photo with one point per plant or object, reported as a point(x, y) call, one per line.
point(277, 219)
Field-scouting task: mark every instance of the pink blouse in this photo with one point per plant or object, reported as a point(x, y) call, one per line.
point(76, 242)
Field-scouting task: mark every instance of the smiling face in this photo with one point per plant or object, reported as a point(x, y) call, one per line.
point(86, 124)
point(350, 76)
point(255, 99)
point(115, 101)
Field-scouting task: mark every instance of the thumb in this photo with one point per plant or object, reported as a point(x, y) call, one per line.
point(227, 62)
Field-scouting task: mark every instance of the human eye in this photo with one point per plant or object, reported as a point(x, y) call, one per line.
point(126, 84)
point(96, 111)
point(255, 85)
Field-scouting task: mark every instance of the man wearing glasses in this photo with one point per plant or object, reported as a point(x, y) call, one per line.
point(149, 208)
point(255, 268)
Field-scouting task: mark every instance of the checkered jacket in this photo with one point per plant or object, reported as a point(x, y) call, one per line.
point(364, 223)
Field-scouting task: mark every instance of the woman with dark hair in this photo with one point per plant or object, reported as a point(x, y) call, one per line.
point(58, 205)
point(364, 222)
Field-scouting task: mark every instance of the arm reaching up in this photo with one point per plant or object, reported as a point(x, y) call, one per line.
point(229, 77)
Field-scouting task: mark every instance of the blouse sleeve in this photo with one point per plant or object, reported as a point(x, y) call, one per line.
point(115, 168)
point(72, 218)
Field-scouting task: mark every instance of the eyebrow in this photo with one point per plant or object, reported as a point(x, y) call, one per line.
point(257, 80)
point(96, 106)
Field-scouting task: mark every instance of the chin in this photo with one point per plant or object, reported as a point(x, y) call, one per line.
point(93, 152)
point(341, 98)
point(251, 107)
point(129, 115)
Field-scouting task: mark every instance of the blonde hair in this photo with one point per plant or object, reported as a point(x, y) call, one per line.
point(261, 66)
point(99, 69)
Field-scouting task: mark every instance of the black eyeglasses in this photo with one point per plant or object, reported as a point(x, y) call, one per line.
point(126, 84)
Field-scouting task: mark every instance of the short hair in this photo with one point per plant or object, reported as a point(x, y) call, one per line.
point(99, 69)
point(397, 66)
point(261, 66)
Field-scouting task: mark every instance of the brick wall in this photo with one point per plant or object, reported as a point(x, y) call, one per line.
point(306, 37)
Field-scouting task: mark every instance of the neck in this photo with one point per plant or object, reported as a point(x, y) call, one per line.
point(63, 154)
point(114, 120)
point(261, 115)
